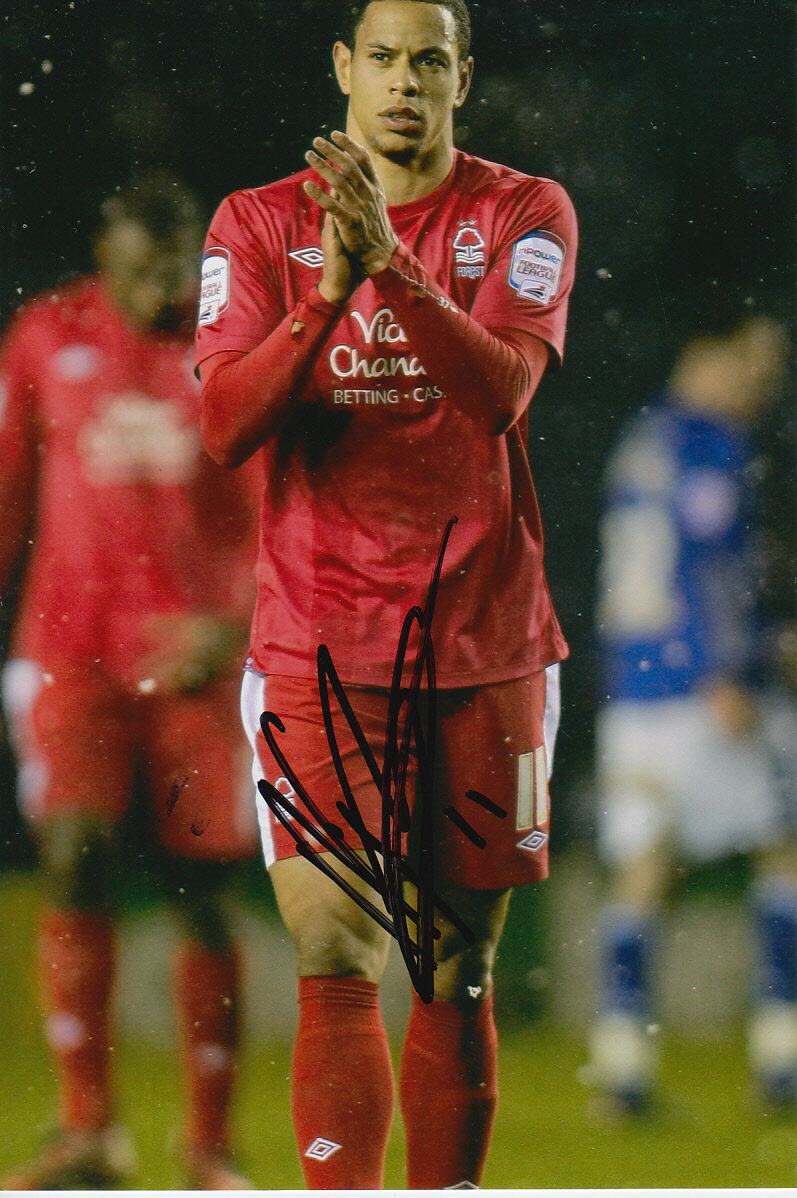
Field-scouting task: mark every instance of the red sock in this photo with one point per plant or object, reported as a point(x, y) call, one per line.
point(342, 1084)
point(449, 1092)
point(76, 953)
point(206, 984)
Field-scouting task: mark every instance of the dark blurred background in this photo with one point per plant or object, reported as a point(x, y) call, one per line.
point(671, 125)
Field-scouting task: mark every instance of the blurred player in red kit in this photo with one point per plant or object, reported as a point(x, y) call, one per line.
point(374, 329)
point(130, 617)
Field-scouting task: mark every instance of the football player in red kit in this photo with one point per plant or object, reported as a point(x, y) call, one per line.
point(131, 614)
point(374, 328)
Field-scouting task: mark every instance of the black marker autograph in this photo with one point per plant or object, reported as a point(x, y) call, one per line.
point(407, 723)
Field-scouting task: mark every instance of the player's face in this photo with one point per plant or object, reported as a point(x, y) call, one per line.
point(403, 78)
point(153, 281)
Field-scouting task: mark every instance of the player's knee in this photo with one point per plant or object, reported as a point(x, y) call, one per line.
point(333, 935)
point(330, 945)
point(641, 882)
point(466, 950)
point(76, 858)
point(195, 891)
point(778, 861)
point(464, 975)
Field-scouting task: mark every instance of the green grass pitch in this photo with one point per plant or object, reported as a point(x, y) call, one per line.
point(709, 1131)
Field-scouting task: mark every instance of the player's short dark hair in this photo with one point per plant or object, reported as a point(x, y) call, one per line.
point(458, 8)
point(160, 202)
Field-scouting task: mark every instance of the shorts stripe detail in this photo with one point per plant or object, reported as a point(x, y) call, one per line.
point(524, 808)
point(540, 787)
point(534, 769)
point(531, 809)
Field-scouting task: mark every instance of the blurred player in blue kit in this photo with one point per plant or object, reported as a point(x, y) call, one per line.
point(695, 735)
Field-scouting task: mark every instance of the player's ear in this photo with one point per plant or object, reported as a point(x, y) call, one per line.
point(464, 82)
point(341, 56)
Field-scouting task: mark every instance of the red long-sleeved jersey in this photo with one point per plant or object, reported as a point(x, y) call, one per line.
point(381, 419)
point(102, 468)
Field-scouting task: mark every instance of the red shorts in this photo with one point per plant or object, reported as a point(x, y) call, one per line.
point(81, 740)
point(489, 789)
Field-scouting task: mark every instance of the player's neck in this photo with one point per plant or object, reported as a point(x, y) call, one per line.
point(405, 181)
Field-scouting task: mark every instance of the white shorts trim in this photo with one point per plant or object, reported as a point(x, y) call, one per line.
point(22, 680)
point(253, 704)
point(553, 711)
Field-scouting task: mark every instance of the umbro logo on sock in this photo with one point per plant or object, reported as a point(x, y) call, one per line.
point(462, 1185)
point(321, 1149)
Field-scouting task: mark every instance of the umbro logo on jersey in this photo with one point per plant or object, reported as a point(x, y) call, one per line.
point(533, 842)
point(321, 1149)
point(311, 256)
point(469, 251)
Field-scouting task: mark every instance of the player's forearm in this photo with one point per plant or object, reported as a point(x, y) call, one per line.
point(245, 401)
point(490, 377)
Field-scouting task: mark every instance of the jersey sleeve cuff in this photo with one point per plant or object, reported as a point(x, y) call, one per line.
point(316, 302)
point(403, 272)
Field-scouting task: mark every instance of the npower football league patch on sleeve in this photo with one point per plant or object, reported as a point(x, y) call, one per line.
point(536, 267)
point(215, 294)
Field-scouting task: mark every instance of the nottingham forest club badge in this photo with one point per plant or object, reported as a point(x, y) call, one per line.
point(469, 251)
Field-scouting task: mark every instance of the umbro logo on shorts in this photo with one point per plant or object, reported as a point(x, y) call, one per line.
point(321, 1149)
point(533, 842)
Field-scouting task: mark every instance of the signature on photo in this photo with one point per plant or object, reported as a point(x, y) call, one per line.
point(411, 724)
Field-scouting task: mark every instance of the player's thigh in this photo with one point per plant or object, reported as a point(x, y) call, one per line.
point(196, 764)
point(640, 882)
point(304, 786)
point(195, 892)
point(334, 935)
point(76, 852)
point(667, 770)
point(73, 748)
point(728, 788)
point(72, 735)
point(492, 807)
point(468, 939)
point(638, 808)
point(778, 860)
